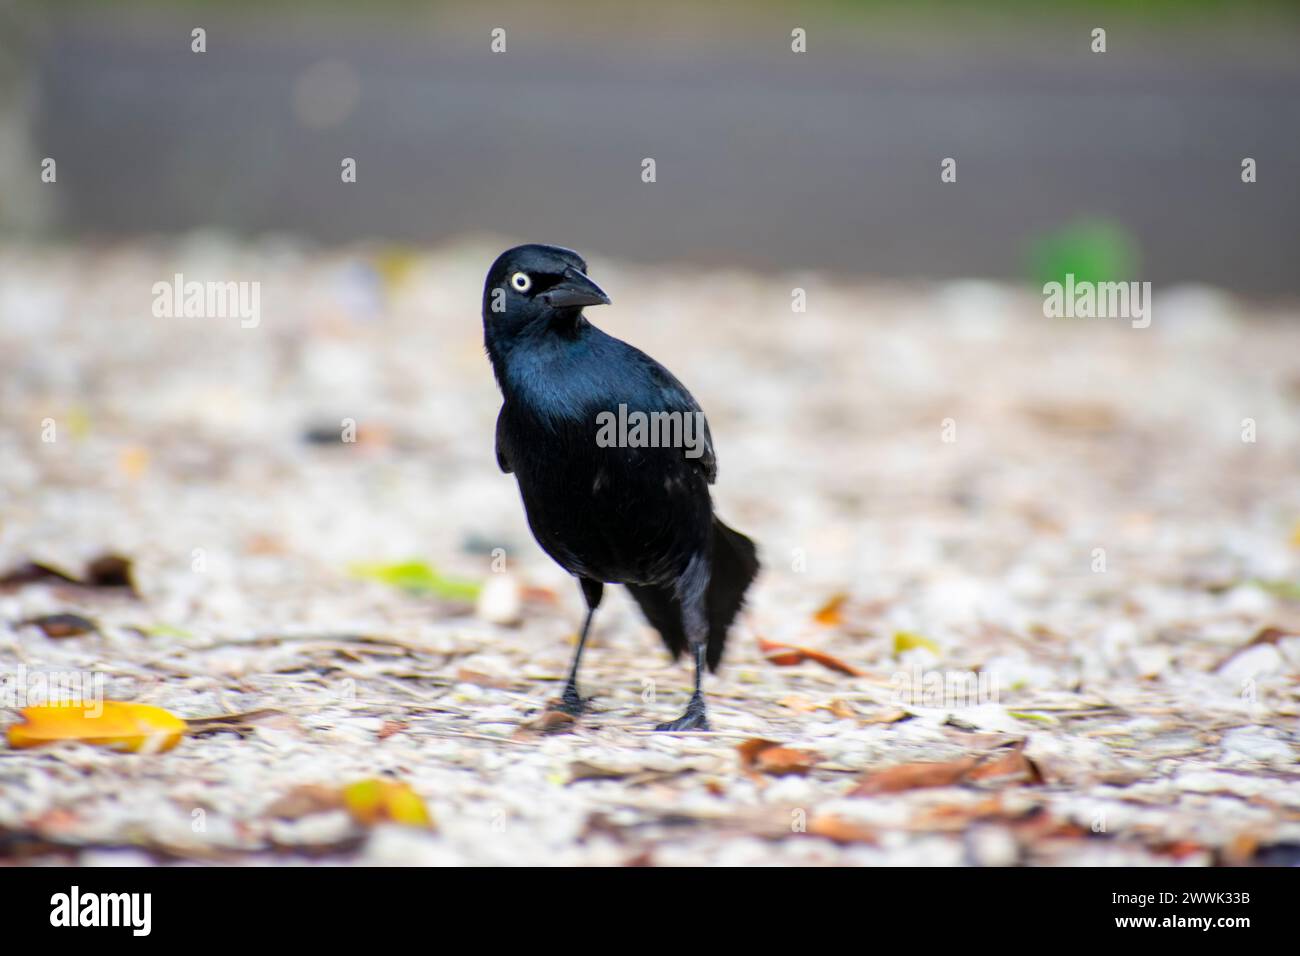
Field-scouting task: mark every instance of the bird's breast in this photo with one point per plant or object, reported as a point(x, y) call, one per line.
point(614, 514)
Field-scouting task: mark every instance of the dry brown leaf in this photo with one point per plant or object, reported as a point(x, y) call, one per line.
point(950, 818)
point(539, 595)
point(784, 658)
point(1267, 635)
point(105, 571)
point(263, 543)
point(31, 571)
point(56, 822)
point(63, 625)
point(842, 709)
point(304, 800)
point(780, 761)
point(110, 571)
point(551, 721)
point(846, 711)
point(581, 770)
point(1180, 849)
point(913, 776)
point(240, 722)
point(1007, 768)
point(750, 749)
point(1003, 767)
point(787, 655)
point(768, 756)
point(801, 705)
point(467, 676)
point(1079, 416)
point(841, 830)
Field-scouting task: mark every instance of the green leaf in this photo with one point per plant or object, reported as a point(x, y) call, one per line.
point(1289, 590)
point(165, 630)
point(418, 577)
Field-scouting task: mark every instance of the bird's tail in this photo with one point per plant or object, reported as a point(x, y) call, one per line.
point(733, 568)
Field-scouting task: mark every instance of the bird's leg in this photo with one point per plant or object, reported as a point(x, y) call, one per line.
point(571, 701)
point(696, 717)
point(690, 591)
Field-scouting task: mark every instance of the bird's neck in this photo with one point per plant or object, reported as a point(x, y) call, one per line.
point(549, 336)
point(528, 357)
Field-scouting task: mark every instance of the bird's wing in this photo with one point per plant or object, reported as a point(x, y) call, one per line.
point(503, 462)
point(674, 397)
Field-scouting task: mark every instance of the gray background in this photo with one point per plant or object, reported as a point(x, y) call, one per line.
point(766, 159)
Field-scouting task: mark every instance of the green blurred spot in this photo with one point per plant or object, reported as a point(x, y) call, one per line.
point(1288, 590)
point(418, 577)
point(1092, 250)
point(166, 630)
point(78, 422)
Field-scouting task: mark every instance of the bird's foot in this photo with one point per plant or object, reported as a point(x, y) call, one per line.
point(695, 718)
point(572, 703)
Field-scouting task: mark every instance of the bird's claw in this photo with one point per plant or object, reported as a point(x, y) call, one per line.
point(695, 718)
point(572, 703)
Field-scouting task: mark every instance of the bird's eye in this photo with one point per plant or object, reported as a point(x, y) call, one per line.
point(521, 282)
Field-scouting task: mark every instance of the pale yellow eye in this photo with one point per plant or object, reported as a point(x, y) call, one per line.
point(521, 282)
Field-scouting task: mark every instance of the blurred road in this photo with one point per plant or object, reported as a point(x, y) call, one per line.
point(764, 160)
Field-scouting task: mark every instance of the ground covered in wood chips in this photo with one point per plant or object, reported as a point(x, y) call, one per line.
point(1054, 561)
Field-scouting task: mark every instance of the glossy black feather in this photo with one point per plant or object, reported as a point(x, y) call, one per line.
point(638, 516)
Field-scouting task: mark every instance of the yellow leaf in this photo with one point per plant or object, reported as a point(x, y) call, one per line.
point(831, 613)
point(798, 704)
point(133, 461)
point(842, 709)
point(138, 728)
point(385, 801)
point(395, 265)
point(906, 641)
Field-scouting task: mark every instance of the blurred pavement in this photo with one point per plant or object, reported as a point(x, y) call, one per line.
point(765, 158)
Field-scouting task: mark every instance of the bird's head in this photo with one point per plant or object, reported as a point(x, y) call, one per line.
point(533, 288)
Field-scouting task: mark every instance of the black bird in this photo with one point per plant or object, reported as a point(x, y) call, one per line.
point(609, 513)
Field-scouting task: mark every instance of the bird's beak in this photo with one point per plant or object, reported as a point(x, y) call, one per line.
point(576, 290)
